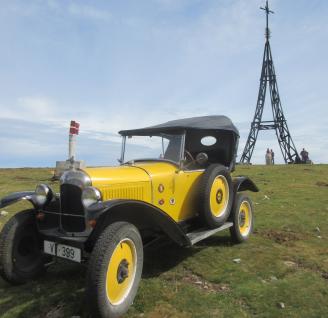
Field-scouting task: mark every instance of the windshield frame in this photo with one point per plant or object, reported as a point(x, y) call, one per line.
point(181, 154)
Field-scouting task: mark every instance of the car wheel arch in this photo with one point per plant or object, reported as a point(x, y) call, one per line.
point(15, 197)
point(140, 214)
point(242, 183)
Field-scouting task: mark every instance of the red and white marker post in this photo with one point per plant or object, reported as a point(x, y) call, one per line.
point(73, 131)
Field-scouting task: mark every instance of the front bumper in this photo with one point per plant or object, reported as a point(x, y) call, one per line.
point(56, 236)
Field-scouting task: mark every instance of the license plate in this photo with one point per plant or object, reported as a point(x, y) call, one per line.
point(63, 251)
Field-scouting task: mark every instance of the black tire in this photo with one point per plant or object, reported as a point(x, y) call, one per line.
point(217, 180)
point(21, 256)
point(117, 241)
point(242, 217)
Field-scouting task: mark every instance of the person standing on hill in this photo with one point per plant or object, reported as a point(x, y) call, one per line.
point(268, 157)
point(304, 155)
point(272, 156)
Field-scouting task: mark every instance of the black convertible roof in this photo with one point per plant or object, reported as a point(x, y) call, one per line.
point(201, 123)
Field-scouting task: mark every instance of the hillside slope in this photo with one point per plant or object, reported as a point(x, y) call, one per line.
point(283, 269)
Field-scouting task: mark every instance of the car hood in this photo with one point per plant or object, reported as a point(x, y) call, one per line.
point(104, 176)
point(137, 172)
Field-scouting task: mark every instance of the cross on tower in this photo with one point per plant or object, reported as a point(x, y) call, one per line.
point(279, 123)
point(267, 11)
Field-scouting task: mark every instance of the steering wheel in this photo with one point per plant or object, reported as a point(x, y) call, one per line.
point(190, 157)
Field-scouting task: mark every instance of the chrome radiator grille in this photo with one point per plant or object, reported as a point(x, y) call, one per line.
point(70, 203)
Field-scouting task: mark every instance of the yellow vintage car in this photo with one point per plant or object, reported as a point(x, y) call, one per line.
point(173, 180)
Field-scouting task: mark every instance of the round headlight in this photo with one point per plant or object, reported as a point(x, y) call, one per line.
point(90, 195)
point(43, 194)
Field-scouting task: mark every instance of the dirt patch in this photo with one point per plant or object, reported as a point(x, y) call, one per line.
point(290, 264)
point(310, 267)
point(205, 285)
point(56, 312)
point(164, 310)
point(321, 184)
point(22, 178)
point(324, 275)
point(281, 237)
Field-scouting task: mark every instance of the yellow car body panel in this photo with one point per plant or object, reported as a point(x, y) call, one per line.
point(123, 182)
point(161, 184)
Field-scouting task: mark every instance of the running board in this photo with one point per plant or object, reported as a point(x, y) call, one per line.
point(204, 233)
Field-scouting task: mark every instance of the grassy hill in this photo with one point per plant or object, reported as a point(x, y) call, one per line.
point(283, 269)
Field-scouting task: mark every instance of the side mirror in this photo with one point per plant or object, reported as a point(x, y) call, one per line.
point(202, 158)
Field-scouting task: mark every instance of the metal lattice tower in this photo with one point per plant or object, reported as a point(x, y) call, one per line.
point(279, 123)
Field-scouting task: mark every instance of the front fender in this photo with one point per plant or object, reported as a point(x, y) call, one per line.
point(139, 213)
point(243, 183)
point(17, 196)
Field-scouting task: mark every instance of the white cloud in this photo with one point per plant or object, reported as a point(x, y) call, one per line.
point(33, 109)
point(37, 106)
point(27, 147)
point(224, 29)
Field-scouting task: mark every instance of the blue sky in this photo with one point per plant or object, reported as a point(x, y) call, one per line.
point(113, 65)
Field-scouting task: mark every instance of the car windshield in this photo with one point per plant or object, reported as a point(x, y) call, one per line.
point(159, 147)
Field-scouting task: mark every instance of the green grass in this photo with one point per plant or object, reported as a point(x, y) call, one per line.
point(285, 261)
